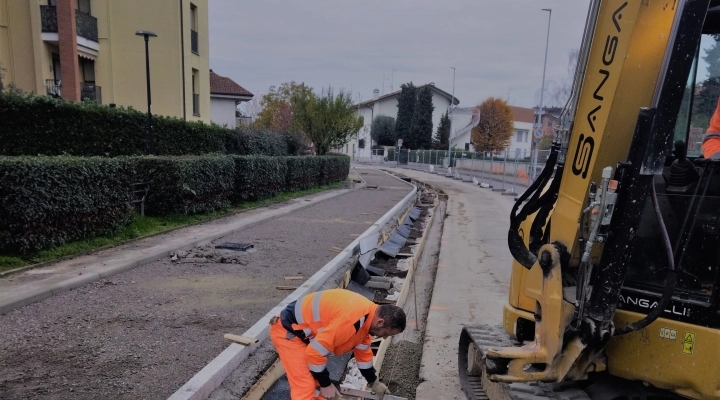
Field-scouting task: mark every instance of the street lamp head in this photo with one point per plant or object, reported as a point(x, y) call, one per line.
point(146, 33)
point(547, 9)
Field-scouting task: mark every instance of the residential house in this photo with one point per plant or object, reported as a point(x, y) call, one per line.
point(520, 144)
point(550, 119)
point(79, 49)
point(225, 95)
point(387, 105)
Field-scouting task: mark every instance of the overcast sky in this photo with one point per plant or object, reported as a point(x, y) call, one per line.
point(497, 46)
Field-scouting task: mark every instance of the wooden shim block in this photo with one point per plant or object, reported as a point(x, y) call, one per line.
point(378, 285)
point(286, 287)
point(294, 278)
point(243, 340)
point(335, 250)
point(263, 384)
point(404, 255)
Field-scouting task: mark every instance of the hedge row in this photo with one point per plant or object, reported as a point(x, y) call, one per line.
point(46, 201)
point(42, 125)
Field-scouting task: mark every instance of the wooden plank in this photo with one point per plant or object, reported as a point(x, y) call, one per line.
point(258, 390)
point(294, 278)
point(404, 255)
point(243, 340)
point(280, 287)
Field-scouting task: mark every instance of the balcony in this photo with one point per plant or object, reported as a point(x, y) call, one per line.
point(85, 24)
point(91, 92)
point(53, 88)
point(194, 42)
point(196, 104)
point(87, 91)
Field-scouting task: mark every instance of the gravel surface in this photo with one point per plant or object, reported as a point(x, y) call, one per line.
point(144, 333)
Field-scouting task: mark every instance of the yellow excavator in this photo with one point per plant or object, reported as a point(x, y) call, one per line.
point(615, 290)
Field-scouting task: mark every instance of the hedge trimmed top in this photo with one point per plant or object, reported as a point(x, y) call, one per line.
point(42, 125)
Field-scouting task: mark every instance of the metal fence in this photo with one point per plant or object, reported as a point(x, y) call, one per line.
point(502, 170)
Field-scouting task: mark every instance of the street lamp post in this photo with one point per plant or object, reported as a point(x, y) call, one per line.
point(452, 102)
point(150, 139)
point(542, 92)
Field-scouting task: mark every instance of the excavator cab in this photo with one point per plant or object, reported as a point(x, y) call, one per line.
point(615, 288)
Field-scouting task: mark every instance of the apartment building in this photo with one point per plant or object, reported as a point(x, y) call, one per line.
point(88, 49)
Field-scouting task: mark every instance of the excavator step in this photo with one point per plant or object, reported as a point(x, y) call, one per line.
point(474, 342)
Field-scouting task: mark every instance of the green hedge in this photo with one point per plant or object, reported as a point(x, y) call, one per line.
point(186, 185)
point(35, 125)
point(258, 177)
point(244, 141)
point(334, 168)
point(302, 173)
point(46, 201)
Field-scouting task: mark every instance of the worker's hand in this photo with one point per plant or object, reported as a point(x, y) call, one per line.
point(329, 392)
point(379, 389)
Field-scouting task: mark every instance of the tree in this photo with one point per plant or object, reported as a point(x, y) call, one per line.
point(406, 111)
point(442, 136)
point(250, 108)
point(328, 120)
point(495, 126)
point(421, 128)
point(276, 113)
point(382, 130)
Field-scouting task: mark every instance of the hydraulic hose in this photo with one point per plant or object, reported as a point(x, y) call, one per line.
point(671, 278)
point(518, 249)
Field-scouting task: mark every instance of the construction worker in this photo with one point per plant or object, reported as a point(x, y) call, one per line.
point(711, 142)
point(331, 321)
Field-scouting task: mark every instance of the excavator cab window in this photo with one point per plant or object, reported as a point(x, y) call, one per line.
point(688, 192)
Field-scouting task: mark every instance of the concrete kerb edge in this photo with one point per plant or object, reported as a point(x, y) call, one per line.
point(216, 371)
point(72, 283)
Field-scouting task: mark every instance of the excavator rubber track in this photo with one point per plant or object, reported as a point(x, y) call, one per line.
point(474, 342)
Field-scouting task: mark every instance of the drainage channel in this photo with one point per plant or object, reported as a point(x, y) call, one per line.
point(251, 358)
point(390, 266)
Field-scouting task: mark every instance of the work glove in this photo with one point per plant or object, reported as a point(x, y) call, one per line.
point(329, 392)
point(379, 389)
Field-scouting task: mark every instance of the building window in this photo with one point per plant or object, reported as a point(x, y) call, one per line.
point(467, 146)
point(550, 123)
point(83, 6)
point(194, 29)
point(196, 92)
point(52, 3)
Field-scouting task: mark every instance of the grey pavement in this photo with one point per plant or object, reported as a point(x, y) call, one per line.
point(472, 281)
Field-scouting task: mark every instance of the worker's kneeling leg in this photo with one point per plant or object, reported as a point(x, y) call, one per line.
point(292, 356)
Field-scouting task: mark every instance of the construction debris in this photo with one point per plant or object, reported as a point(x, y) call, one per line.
point(243, 340)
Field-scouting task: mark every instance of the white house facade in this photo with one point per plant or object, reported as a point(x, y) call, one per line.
point(225, 95)
point(520, 143)
point(387, 105)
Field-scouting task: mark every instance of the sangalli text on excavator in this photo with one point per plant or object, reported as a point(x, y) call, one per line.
point(615, 291)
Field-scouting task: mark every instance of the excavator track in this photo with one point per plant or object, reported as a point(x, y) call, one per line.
point(474, 342)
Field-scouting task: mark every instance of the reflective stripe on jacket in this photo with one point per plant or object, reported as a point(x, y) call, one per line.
point(711, 142)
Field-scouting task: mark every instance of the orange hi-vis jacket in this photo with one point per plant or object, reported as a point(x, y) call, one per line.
point(332, 321)
point(711, 142)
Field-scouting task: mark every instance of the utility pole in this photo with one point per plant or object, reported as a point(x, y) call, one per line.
point(542, 92)
point(452, 102)
point(150, 138)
